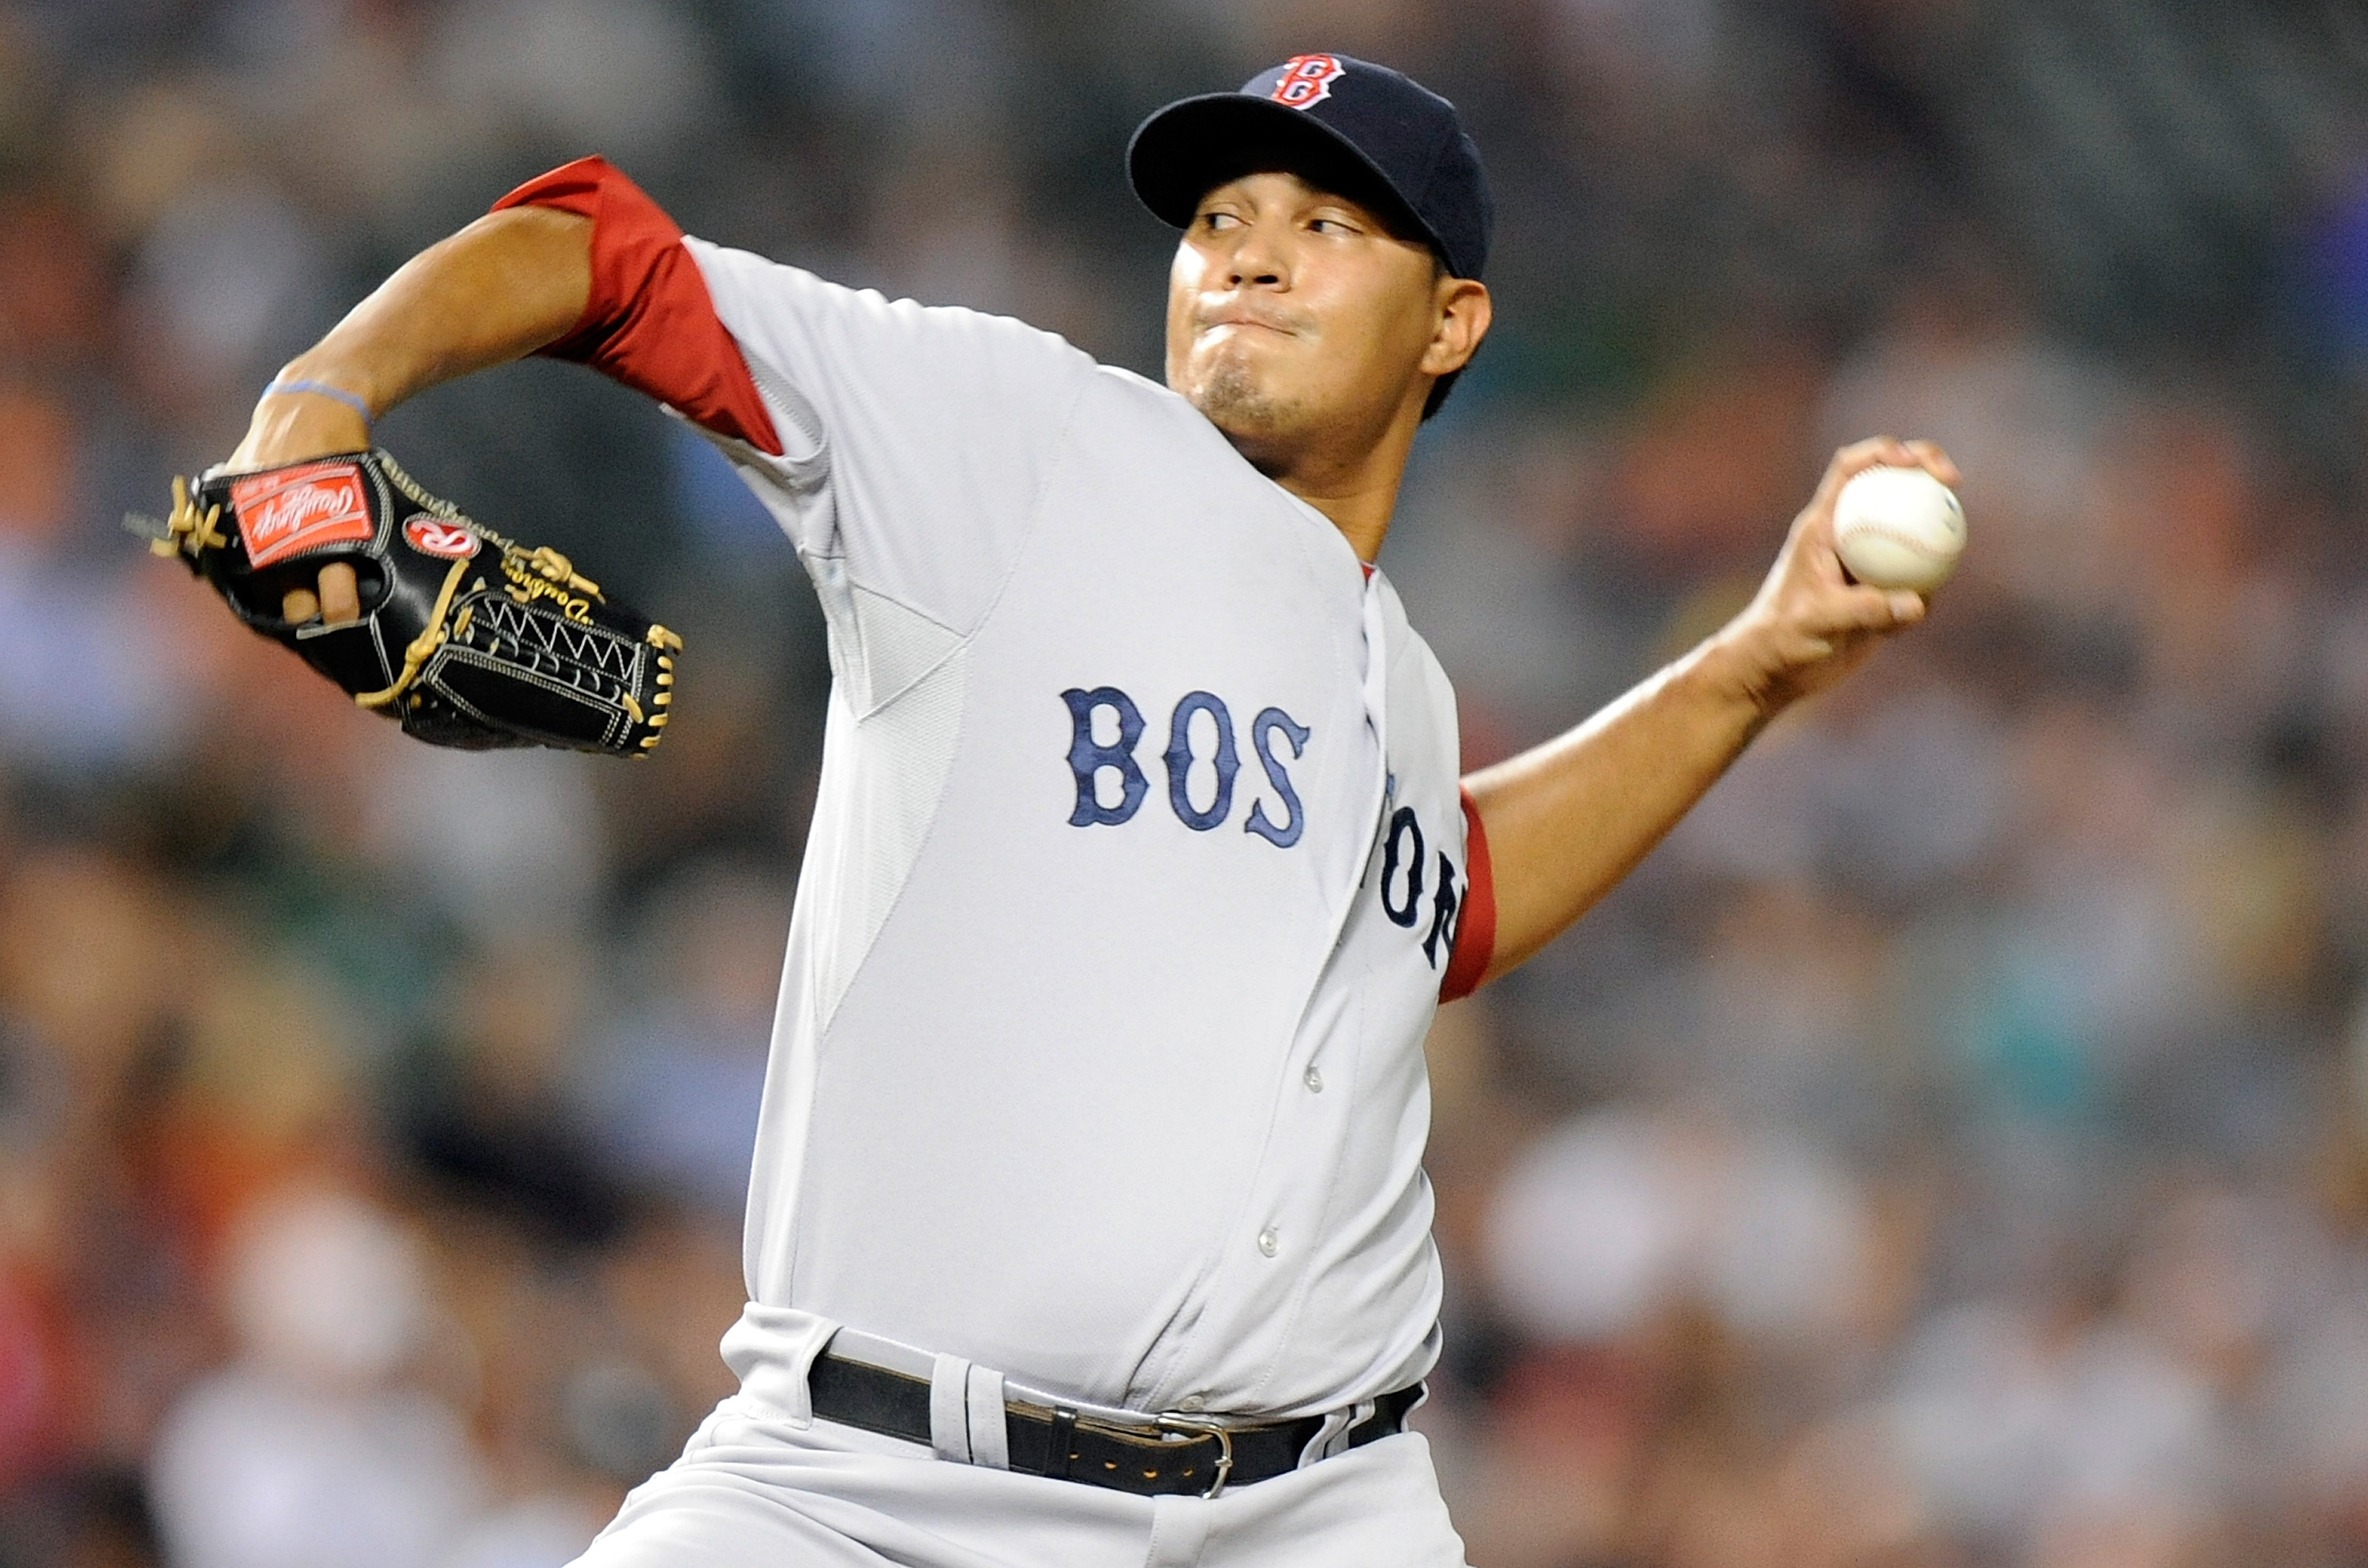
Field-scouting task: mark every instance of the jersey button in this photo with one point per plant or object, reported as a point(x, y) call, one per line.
point(1268, 1243)
point(1315, 1079)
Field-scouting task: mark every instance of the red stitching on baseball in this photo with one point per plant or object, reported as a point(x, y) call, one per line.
point(1881, 531)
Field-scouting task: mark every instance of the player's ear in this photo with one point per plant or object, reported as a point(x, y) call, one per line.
point(1465, 313)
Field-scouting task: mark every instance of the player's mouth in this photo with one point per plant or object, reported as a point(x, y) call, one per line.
point(1237, 317)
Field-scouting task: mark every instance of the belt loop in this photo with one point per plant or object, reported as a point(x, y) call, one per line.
point(1366, 1410)
point(990, 1439)
point(1336, 1426)
point(1064, 1432)
point(949, 1408)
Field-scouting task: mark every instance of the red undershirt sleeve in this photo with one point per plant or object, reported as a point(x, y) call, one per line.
point(1476, 923)
point(650, 322)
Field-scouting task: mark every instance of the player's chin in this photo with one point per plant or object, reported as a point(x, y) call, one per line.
point(1235, 398)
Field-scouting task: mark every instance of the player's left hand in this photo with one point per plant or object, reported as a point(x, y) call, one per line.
point(1810, 625)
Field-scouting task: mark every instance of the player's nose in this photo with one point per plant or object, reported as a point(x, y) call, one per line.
point(1261, 258)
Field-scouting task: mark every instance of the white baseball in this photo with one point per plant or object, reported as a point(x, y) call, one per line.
point(1899, 528)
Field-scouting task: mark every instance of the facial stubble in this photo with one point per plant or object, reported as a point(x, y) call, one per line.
point(1234, 399)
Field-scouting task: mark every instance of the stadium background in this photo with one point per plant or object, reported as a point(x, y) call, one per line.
point(1951, 1149)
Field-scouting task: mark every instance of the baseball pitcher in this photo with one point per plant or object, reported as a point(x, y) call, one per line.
point(1087, 1224)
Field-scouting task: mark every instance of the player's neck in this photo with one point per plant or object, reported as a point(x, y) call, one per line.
point(1361, 512)
point(1357, 488)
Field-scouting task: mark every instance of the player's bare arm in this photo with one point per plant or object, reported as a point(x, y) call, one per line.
point(1311, 333)
point(1567, 820)
point(319, 540)
point(497, 290)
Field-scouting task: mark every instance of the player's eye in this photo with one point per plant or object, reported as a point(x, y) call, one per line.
point(1218, 221)
point(1332, 225)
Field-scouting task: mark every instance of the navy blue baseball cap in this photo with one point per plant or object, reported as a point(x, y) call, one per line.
point(1357, 128)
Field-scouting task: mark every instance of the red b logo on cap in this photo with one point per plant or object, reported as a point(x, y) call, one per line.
point(1307, 79)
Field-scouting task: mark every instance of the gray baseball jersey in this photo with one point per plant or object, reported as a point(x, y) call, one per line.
point(1137, 864)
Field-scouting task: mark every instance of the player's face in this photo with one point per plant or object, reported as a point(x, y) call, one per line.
point(1296, 319)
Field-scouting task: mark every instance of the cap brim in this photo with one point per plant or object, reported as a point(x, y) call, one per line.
point(1189, 148)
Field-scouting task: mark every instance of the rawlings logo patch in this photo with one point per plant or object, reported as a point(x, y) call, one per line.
point(296, 509)
point(1307, 79)
point(430, 536)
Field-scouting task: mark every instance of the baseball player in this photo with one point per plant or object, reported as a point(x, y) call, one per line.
point(1087, 1224)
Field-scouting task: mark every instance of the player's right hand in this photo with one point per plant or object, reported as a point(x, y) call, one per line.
point(1811, 625)
point(290, 427)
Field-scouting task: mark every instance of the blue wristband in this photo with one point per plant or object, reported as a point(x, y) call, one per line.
point(322, 389)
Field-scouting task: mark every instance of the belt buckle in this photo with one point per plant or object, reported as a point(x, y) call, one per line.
point(1202, 1427)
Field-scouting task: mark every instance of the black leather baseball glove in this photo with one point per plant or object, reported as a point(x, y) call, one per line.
point(468, 638)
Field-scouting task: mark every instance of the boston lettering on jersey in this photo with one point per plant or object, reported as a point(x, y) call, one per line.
point(1090, 759)
point(1402, 879)
point(1112, 786)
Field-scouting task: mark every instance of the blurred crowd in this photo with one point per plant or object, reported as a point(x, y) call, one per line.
point(1949, 1149)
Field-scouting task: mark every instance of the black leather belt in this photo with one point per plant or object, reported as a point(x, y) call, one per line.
point(1171, 1455)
